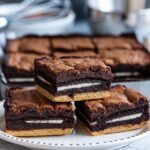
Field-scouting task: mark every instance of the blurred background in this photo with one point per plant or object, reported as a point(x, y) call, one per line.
point(53, 17)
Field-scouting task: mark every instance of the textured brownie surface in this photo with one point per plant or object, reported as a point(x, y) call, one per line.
point(69, 69)
point(123, 107)
point(38, 45)
point(116, 42)
point(121, 99)
point(121, 57)
point(72, 43)
point(27, 103)
point(19, 65)
point(70, 54)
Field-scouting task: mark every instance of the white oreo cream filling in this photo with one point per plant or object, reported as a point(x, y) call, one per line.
point(125, 118)
point(72, 86)
point(119, 119)
point(21, 80)
point(76, 86)
point(121, 74)
point(45, 121)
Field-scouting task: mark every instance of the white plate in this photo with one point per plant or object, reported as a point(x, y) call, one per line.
point(78, 140)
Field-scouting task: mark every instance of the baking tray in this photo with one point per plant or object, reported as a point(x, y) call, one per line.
point(142, 85)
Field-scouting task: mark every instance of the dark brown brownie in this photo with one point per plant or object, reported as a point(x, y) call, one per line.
point(25, 105)
point(29, 44)
point(123, 103)
point(134, 62)
point(19, 65)
point(54, 74)
point(109, 42)
point(74, 43)
point(74, 54)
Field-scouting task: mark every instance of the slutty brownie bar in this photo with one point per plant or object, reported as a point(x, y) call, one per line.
point(124, 110)
point(110, 42)
point(127, 63)
point(72, 79)
point(19, 67)
point(72, 43)
point(27, 113)
point(29, 44)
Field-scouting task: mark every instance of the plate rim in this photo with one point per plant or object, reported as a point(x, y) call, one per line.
point(31, 143)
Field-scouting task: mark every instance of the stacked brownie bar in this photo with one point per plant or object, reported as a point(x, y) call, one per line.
point(27, 113)
point(124, 110)
point(72, 79)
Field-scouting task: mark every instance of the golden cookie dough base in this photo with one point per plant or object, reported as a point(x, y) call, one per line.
point(40, 132)
point(121, 128)
point(75, 97)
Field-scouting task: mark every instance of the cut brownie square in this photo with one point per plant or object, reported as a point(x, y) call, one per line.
point(127, 63)
point(124, 110)
point(109, 42)
point(74, 54)
point(29, 44)
point(19, 67)
point(72, 79)
point(69, 44)
point(27, 113)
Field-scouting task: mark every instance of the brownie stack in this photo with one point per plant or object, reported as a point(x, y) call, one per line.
point(63, 83)
point(87, 81)
point(72, 79)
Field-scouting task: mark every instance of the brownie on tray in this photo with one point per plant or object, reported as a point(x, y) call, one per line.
point(29, 44)
point(27, 113)
point(72, 79)
point(124, 110)
point(72, 43)
point(19, 67)
point(127, 63)
point(110, 42)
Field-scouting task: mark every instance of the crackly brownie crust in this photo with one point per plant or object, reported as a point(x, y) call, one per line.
point(25, 105)
point(69, 69)
point(122, 102)
point(71, 43)
point(29, 44)
point(19, 65)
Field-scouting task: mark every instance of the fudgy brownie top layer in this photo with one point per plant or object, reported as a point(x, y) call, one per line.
point(79, 54)
point(72, 43)
point(20, 62)
point(121, 99)
point(24, 103)
point(116, 42)
point(122, 56)
point(38, 45)
point(68, 69)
